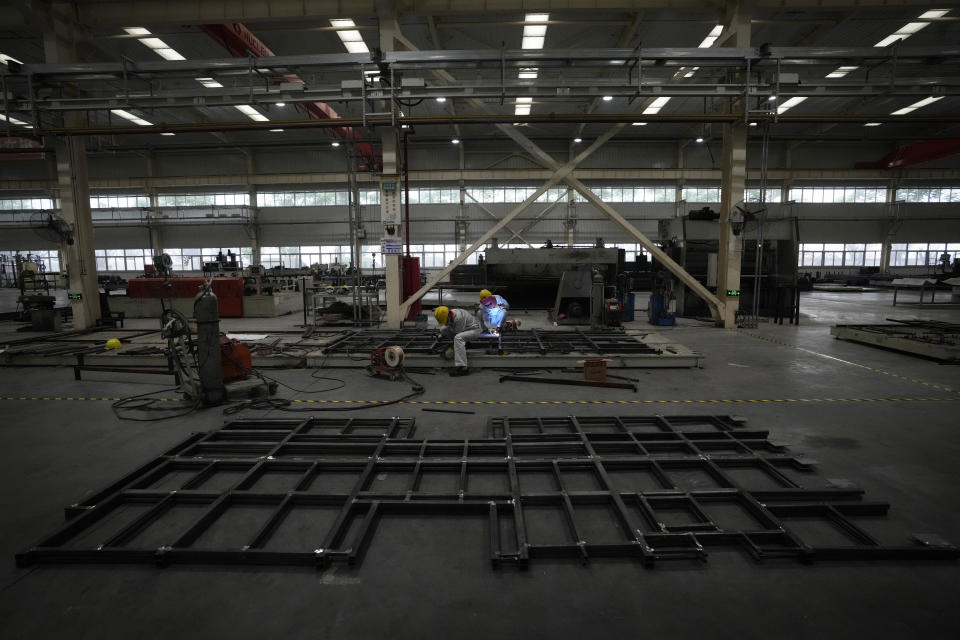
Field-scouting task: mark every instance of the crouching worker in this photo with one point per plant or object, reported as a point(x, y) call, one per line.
point(463, 326)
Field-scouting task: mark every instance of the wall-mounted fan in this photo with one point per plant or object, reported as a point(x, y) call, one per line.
point(51, 227)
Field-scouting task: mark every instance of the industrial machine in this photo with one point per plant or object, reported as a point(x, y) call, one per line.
point(387, 362)
point(212, 368)
point(661, 309)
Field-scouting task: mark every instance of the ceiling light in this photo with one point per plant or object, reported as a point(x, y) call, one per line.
point(531, 42)
point(607, 98)
point(356, 47)
point(934, 13)
point(535, 30)
point(699, 140)
point(529, 73)
point(441, 99)
point(4, 58)
point(350, 35)
point(872, 124)
point(521, 110)
point(281, 104)
point(168, 133)
point(342, 22)
point(129, 116)
point(537, 17)
point(790, 103)
point(753, 124)
point(655, 106)
point(455, 141)
point(251, 113)
point(334, 144)
point(15, 121)
point(524, 99)
point(912, 27)
point(578, 139)
point(276, 130)
point(209, 83)
point(916, 105)
point(840, 72)
point(711, 37)
point(772, 98)
point(639, 124)
point(137, 31)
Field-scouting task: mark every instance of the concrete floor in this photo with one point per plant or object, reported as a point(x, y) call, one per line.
point(437, 582)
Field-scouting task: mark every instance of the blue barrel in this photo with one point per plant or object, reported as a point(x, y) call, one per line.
point(628, 303)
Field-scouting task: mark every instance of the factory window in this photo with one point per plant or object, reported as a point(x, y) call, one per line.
point(840, 255)
point(922, 254)
point(48, 259)
point(122, 259)
point(835, 195)
point(631, 251)
point(26, 204)
point(929, 194)
point(119, 202)
point(313, 198)
point(192, 259)
point(753, 195)
point(701, 194)
point(203, 199)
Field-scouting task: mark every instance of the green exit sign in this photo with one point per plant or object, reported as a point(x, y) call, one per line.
point(732, 292)
point(75, 296)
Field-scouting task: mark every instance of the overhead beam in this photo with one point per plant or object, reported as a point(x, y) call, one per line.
point(152, 12)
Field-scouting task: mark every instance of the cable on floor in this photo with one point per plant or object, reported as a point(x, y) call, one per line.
point(144, 402)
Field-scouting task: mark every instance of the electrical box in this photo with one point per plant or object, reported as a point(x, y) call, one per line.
point(390, 201)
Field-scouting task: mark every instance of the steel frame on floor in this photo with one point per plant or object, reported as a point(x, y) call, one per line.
point(312, 492)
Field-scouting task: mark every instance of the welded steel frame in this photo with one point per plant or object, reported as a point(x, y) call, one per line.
point(524, 341)
point(625, 487)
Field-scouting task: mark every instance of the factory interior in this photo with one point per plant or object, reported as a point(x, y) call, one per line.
point(518, 318)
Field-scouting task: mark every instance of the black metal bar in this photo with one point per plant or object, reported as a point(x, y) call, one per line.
point(567, 381)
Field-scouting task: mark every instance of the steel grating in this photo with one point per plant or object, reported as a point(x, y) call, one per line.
point(312, 492)
point(539, 341)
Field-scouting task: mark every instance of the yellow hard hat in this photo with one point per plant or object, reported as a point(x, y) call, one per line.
point(441, 314)
point(486, 293)
point(113, 343)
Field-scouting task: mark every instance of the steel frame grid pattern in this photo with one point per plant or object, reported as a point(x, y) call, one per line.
point(525, 341)
point(648, 488)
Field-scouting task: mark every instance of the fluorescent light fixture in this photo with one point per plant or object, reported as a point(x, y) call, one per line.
point(12, 120)
point(4, 58)
point(607, 98)
point(455, 141)
point(753, 124)
point(441, 99)
point(578, 139)
point(699, 140)
point(280, 104)
point(209, 83)
point(251, 113)
point(537, 17)
point(639, 124)
point(655, 106)
point(535, 30)
point(168, 133)
point(916, 105)
point(711, 37)
point(351, 38)
point(912, 27)
point(840, 72)
point(356, 47)
point(790, 103)
point(934, 14)
point(276, 130)
point(528, 73)
point(522, 107)
point(334, 144)
point(159, 47)
point(154, 43)
point(872, 124)
point(772, 98)
point(137, 31)
point(129, 116)
point(532, 42)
